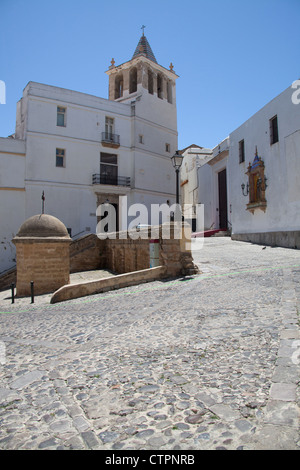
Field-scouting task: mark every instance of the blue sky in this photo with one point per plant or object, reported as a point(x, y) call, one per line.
point(232, 56)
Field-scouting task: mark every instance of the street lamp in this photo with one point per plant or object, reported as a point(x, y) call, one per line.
point(177, 162)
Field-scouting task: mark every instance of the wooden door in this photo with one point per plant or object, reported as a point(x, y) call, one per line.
point(223, 215)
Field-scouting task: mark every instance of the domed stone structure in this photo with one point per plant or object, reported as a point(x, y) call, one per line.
point(42, 248)
point(43, 225)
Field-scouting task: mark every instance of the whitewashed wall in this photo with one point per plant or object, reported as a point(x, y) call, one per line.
point(282, 168)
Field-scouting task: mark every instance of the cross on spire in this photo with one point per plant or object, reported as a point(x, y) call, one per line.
point(143, 28)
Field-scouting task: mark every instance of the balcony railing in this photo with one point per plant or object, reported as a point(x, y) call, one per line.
point(109, 138)
point(112, 180)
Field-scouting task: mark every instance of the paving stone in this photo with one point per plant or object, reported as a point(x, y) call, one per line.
point(281, 413)
point(27, 379)
point(48, 443)
point(90, 439)
point(148, 388)
point(225, 412)
point(243, 425)
point(283, 391)
point(61, 426)
point(144, 434)
point(108, 436)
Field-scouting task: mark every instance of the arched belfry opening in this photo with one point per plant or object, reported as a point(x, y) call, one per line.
point(133, 80)
point(119, 86)
point(160, 92)
point(150, 82)
point(169, 91)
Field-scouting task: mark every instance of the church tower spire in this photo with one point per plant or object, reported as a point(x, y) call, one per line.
point(143, 48)
point(142, 74)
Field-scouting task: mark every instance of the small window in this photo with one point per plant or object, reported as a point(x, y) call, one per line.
point(61, 116)
point(274, 130)
point(167, 147)
point(241, 151)
point(141, 139)
point(60, 157)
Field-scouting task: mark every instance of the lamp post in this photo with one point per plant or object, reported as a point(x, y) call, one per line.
point(177, 162)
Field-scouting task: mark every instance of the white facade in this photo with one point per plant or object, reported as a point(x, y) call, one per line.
point(282, 168)
point(210, 191)
point(194, 157)
point(61, 135)
point(275, 132)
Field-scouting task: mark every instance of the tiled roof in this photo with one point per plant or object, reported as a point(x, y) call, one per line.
point(144, 48)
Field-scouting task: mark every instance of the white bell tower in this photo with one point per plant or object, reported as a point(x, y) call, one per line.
point(142, 74)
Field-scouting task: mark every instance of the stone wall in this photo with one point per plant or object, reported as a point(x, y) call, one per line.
point(126, 255)
point(130, 259)
point(43, 262)
point(87, 253)
point(123, 254)
point(74, 291)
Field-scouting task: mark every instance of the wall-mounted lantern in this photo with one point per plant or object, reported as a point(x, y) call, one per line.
point(245, 193)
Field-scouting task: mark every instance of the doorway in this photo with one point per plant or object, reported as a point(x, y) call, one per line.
point(113, 223)
point(223, 215)
point(113, 200)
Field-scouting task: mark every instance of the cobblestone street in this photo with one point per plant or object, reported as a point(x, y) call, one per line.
point(210, 361)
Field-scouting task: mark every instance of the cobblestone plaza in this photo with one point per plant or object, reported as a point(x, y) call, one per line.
point(209, 361)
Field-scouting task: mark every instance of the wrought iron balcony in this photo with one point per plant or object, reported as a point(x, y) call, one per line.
point(112, 180)
point(110, 140)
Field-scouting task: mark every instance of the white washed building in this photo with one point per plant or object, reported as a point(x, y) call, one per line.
point(252, 184)
point(270, 211)
point(213, 189)
point(83, 150)
point(194, 157)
